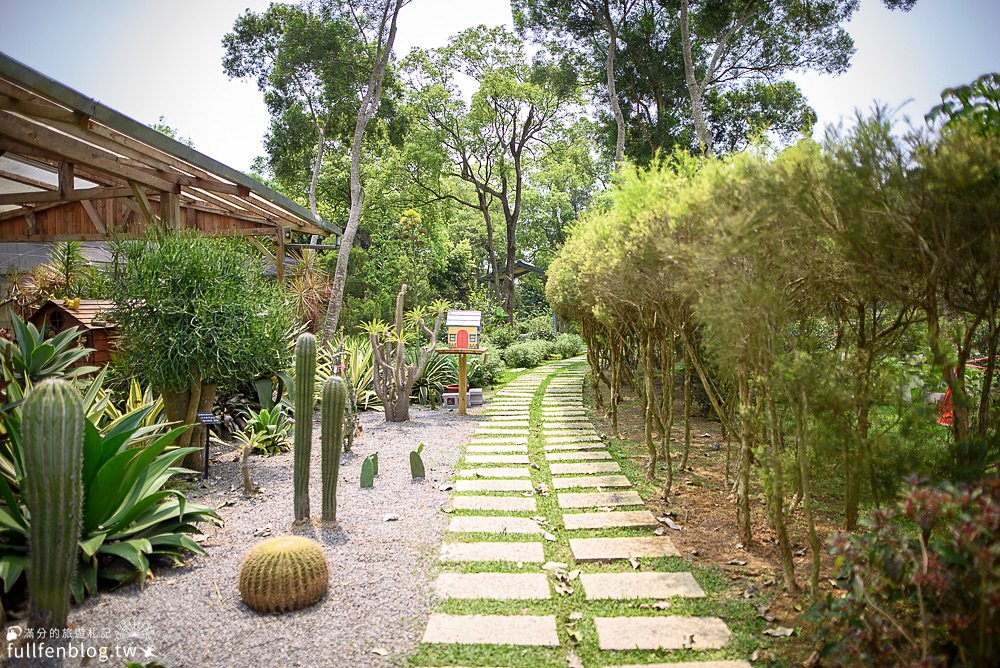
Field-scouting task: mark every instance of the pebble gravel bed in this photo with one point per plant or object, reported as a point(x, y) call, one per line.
point(382, 557)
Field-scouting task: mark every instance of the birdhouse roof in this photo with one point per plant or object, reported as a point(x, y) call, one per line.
point(92, 313)
point(464, 319)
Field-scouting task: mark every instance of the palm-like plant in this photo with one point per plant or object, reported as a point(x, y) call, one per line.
point(266, 431)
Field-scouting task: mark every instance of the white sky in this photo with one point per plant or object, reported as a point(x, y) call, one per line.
point(149, 59)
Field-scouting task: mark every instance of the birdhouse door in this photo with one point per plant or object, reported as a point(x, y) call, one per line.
point(462, 340)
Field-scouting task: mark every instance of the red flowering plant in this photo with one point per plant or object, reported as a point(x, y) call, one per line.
point(921, 584)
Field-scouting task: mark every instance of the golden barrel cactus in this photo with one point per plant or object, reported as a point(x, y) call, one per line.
point(283, 574)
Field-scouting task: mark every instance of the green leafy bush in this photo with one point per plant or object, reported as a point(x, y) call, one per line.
point(128, 516)
point(483, 373)
point(527, 354)
point(502, 336)
point(188, 305)
point(539, 327)
point(922, 583)
point(568, 345)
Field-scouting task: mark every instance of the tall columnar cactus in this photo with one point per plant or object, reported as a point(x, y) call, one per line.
point(332, 439)
point(304, 398)
point(52, 420)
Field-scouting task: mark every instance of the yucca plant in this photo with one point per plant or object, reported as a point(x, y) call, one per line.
point(32, 357)
point(128, 516)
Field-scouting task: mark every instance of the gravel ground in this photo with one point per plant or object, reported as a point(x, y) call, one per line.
point(380, 570)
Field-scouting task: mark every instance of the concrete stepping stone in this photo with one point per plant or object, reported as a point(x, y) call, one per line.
point(582, 455)
point(557, 426)
point(591, 481)
point(497, 448)
point(587, 467)
point(496, 459)
point(488, 524)
point(494, 440)
point(607, 549)
point(493, 586)
point(510, 504)
point(529, 553)
point(524, 630)
point(493, 486)
point(610, 520)
point(494, 472)
point(669, 632)
point(691, 664)
point(507, 423)
point(623, 586)
point(573, 439)
point(599, 499)
point(501, 432)
point(556, 447)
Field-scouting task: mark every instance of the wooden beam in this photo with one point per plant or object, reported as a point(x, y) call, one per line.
point(36, 110)
point(95, 216)
point(55, 196)
point(74, 150)
point(24, 180)
point(145, 210)
point(95, 236)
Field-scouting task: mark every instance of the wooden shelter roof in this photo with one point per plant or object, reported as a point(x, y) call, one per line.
point(72, 168)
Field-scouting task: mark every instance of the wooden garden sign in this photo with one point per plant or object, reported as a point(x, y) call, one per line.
point(463, 339)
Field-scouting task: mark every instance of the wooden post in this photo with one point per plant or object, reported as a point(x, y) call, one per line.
point(279, 256)
point(463, 385)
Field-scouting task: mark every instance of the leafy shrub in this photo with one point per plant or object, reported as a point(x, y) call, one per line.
point(568, 345)
point(502, 336)
point(189, 305)
point(923, 583)
point(527, 354)
point(486, 372)
point(539, 327)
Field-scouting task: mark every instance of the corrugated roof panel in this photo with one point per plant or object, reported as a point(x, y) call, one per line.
point(464, 319)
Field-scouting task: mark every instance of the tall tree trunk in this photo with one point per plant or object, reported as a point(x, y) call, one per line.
point(491, 251)
point(648, 402)
point(746, 455)
point(687, 412)
point(696, 91)
point(316, 168)
point(369, 105)
point(667, 406)
point(803, 459)
point(777, 499)
point(616, 108)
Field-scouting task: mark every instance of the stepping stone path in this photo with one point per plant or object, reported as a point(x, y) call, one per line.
point(560, 450)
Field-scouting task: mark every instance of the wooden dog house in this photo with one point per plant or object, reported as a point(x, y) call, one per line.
point(90, 316)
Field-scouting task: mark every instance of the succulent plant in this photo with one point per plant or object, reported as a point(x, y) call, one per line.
point(332, 440)
point(284, 574)
point(52, 427)
point(368, 472)
point(304, 398)
point(416, 463)
point(374, 458)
